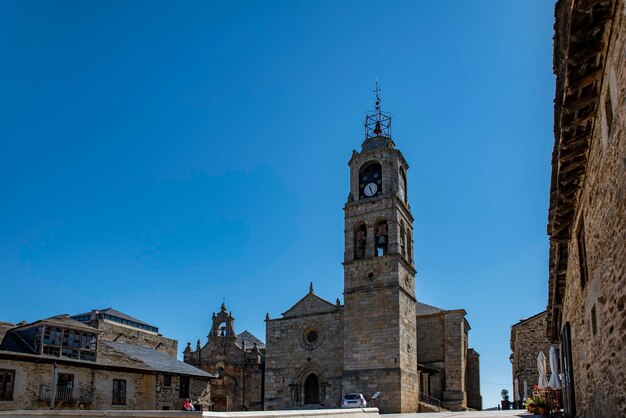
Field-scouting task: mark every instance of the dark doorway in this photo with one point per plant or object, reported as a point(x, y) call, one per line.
point(569, 400)
point(312, 389)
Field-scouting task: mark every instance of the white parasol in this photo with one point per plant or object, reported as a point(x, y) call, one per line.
point(516, 389)
point(525, 389)
point(541, 368)
point(554, 382)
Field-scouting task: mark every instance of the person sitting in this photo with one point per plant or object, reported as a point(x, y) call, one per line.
point(187, 405)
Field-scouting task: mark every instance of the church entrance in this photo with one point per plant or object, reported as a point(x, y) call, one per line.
point(312, 389)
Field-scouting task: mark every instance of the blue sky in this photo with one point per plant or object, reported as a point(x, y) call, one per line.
point(160, 157)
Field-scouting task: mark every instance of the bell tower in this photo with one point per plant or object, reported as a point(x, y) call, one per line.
point(380, 353)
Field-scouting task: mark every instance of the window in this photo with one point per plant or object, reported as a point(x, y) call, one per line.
point(409, 254)
point(65, 387)
point(119, 392)
point(167, 380)
point(594, 320)
point(360, 241)
point(608, 111)
point(582, 255)
point(402, 240)
point(381, 238)
point(69, 343)
point(7, 381)
point(184, 387)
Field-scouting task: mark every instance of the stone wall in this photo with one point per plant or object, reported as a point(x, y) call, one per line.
point(528, 338)
point(596, 311)
point(474, 400)
point(318, 413)
point(455, 337)
point(113, 331)
point(290, 359)
point(92, 388)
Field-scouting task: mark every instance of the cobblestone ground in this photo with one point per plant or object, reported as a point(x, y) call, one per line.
point(470, 414)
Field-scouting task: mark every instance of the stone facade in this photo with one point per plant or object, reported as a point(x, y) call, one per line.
point(319, 351)
point(472, 380)
point(587, 216)
point(528, 338)
point(238, 361)
point(117, 326)
point(88, 372)
point(298, 359)
point(444, 357)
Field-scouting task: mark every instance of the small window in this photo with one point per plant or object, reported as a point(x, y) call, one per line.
point(594, 321)
point(7, 382)
point(167, 380)
point(119, 392)
point(608, 111)
point(402, 240)
point(582, 255)
point(184, 387)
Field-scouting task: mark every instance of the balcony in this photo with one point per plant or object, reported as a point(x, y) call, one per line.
point(65, 394)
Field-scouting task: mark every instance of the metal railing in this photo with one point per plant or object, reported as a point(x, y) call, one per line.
point(430, 400)
point(64, 394)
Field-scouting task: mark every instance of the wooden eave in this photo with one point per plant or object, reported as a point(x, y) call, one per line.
point(582, 31)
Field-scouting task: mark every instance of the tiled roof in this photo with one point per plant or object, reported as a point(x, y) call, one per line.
point(146, 358)
point(249, 340)
point(61, 321)
point(424, 309)
point(115, 312)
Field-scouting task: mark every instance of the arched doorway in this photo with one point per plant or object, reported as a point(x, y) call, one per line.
point(312, 389)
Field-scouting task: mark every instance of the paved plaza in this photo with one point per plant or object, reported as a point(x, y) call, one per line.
point(468, 414)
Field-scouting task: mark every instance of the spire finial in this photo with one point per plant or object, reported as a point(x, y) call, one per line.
point(311, 288)
point(376, 91)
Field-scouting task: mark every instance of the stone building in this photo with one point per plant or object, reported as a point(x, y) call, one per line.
point(66, 363)
point(236, 359)
point(528, 338)
point(449, 369)
point(318, 350)
point(117, 326)
point(586, 312)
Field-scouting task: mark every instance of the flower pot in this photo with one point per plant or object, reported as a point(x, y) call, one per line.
point(543, 410)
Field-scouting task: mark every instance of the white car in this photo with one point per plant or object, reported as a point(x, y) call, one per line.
point(353, 400)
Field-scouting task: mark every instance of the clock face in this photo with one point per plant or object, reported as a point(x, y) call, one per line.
point(370, 189)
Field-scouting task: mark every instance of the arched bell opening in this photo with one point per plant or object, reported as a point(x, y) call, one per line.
point(402, 240)
point(312, 389)
point(381, 238)
point(360, 241)
point(409, 253)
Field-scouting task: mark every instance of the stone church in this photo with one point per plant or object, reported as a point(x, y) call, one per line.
point(381, 342)
point(403, 355)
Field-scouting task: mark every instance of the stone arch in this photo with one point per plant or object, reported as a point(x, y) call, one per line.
point(403, 185)
point(359, 234)
point(311, 389)
point(381, 237)
point(310, 386)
